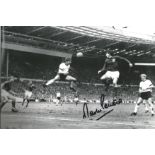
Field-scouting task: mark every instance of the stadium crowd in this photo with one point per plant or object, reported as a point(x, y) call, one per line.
point(43, 67)
point(89, 92)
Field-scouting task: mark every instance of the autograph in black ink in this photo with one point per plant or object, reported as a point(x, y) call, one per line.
point(87, 113)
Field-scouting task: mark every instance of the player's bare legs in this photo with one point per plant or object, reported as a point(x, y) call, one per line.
point(103, 77)
point(70, 78)
point(7, 93)
point(115, 88)
point(27, 104)
point(4, 100)
point(151, 106)
point(146, 107)
point(24, 99)
point(57, 102)
point(140, 100)
point(73, 87)
point(115, 80)
point(13, 103)
point(57, 77)
point(13, 100)
point(72, 82)
point(105, 80)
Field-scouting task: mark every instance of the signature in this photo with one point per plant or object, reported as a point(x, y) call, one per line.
point(87, 113)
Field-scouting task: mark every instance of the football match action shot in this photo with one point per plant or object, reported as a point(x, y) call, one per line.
point(76, 77)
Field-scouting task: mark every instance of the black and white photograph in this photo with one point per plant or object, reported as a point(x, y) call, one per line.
point(77, 77)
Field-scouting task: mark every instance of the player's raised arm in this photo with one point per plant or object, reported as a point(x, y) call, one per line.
point(2, 85)
point(11, 79)
point(12, 92)
point(122, 58)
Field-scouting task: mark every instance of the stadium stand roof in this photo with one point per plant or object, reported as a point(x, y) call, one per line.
point(90, 40)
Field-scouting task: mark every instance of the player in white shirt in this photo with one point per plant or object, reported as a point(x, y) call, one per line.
point(63, 74)
point(145, 94)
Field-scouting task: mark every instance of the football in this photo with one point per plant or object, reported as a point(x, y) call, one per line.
point(79, 54)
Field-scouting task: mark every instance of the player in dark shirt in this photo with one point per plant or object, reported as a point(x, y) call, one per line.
point(7, 94)
point(111, 68)
point(28, 93)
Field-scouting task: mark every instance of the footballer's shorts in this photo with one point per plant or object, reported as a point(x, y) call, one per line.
point(145, 95)
point(7, 96)
point(111, 74)
point(28, 94)
point(59, 98)
point(62, 76)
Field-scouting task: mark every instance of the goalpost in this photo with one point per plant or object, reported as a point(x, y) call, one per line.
point(2, 52)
